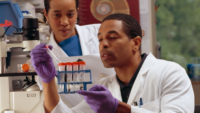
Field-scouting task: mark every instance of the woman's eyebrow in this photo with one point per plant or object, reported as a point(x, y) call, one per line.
point(56, 11)
point(71, 10)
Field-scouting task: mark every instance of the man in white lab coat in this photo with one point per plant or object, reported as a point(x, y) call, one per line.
point(143, 84)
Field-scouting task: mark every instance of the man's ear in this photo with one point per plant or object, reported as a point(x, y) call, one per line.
point(45, 14)
point(136, 42)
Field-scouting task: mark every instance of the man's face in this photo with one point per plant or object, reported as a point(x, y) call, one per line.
point(114, 45)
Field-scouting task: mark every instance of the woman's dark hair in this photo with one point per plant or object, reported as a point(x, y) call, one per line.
point(47, 4)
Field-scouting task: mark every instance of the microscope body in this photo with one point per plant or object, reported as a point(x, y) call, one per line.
point(29, 101)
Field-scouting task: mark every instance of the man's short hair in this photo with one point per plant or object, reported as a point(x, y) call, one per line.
point(130, 25)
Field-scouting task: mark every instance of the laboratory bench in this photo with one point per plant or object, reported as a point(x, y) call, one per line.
point(17, 74)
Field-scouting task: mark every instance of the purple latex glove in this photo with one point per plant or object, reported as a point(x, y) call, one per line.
point(42, 63)
point(100, 99)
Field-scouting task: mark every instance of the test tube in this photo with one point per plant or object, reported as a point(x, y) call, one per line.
point(69, 76)
point(81, 75)
point(61, 67)
point(69, 87)
point(50, 52)
point(75, 75)
point(61, 88)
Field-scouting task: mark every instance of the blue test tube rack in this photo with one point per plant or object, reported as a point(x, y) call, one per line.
point(65, 84)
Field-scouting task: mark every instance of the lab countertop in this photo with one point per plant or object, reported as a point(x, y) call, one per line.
point(17, 74)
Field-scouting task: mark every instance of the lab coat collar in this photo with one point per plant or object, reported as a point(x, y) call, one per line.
point(85, 40)
point(115, 88)
point(137, 86)
point(148, 63)
point(136, 89)
point(57, 50)
point(82, 32)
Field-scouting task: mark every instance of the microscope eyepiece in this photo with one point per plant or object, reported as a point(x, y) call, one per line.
point(30, 23)
point(30, 26)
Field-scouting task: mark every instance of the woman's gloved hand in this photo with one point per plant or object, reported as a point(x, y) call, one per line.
point(42, 63)
point(100, 99)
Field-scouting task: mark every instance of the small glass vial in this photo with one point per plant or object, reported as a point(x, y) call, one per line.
point(61, 67)
point(19, 67)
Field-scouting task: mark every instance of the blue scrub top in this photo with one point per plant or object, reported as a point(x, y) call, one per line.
point(71, 46)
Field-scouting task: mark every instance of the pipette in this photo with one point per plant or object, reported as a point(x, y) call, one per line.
point(49, 51)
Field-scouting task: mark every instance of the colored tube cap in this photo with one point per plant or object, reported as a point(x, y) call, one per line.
point(75, 63)
point(82, 62)
point(69, 63)
point(61, 64)
point(25, 67)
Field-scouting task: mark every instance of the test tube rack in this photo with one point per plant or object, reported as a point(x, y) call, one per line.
point(65, 84)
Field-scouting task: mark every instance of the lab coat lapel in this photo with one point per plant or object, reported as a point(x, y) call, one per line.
point(57, 50)
point(114, 88)
point(137, 86)
point(135, 89)
point(85, 40)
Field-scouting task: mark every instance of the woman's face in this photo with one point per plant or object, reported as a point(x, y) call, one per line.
point(62, 17)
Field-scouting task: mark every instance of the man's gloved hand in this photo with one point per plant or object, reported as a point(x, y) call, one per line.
point(100, 99)
point(42, 63)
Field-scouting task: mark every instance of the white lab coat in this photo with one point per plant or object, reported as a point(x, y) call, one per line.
point(88, 40)
point(89, 45)
point(164, 87)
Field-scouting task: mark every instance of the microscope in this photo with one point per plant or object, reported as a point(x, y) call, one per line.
point(29, 100)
